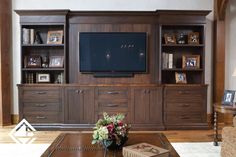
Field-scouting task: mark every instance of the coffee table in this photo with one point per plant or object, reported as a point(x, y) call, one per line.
point(79, 145)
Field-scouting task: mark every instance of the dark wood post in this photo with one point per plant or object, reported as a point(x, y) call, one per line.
point(5, 62)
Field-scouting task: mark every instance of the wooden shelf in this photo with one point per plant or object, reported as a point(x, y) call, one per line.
point(42, 45)
point(181, 69)
point(42, 69)
point(183, 45)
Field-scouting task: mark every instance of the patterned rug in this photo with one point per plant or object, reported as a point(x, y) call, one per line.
point(204, 149)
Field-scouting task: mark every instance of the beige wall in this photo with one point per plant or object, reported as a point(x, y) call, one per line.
point(230, 81)
point(139, 5)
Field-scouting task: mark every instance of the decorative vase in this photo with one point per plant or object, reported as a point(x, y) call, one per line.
point(112, 145)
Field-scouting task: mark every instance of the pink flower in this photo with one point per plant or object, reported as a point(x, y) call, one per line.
point(110, 127)
point(120, 123)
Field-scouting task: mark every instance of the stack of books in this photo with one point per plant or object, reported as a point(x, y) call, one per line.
point(167, 60)
point(29, 78)
point(144, 150)
point(28, 36)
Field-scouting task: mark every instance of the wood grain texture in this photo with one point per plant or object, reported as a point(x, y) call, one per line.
point(5, 62)
point(219, 51)
point(66, 142)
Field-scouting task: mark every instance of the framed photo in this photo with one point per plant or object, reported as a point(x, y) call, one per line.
point(193, 38)
point(170, 38)
point(191, 61)
point(228, 97)
point(56, 61)
point(55, 37)
point(180, 77)
point(33, 61)
point(42, 78)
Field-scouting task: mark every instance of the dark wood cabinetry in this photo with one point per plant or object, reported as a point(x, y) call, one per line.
point(151, 100)
point(147, 106)
point(185, 106)
point(41, 104)
point(112, 100)
point(79, 105)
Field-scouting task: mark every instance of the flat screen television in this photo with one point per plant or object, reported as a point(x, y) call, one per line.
point(113, 53)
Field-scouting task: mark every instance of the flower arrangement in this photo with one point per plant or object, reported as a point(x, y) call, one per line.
point(111, 130)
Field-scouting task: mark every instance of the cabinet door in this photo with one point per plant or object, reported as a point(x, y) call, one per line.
point(147, 105)
point(79, 105)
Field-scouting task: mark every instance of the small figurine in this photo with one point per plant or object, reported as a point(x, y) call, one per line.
point(45, 61)
point(38, 39)
point(181, 39)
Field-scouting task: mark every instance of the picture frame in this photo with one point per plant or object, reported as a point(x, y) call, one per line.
point(193, 38)
point(180, 78)
point(33, 61)
point(56, 61)
point(42, 78)
point(55, 37)
point(228, 98)
point(170, 38)
point(191, 61)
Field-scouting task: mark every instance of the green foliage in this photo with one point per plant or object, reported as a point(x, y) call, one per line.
point(110, 128)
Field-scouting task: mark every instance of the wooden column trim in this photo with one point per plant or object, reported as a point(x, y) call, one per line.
point(221, 8)
point(219, 49)
point(5, 63)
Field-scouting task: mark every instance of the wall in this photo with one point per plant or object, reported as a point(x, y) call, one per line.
point(230, 52)
point(138, 5)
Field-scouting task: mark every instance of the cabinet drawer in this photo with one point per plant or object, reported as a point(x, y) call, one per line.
point(39, 106)
point(112, 106)
point(185, 106)
point(111, 93)
point(184, 94)
point(182, 117)
point(48, 117)
point(41, 95)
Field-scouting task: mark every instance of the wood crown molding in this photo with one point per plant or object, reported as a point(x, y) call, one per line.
point(221, 9)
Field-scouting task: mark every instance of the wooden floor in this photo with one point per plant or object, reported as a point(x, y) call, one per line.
point(47, 137)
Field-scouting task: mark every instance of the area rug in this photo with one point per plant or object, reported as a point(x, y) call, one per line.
point(199, 149)
point(204, 149)
point(22, 150)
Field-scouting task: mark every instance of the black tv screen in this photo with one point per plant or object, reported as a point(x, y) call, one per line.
point(112, 52)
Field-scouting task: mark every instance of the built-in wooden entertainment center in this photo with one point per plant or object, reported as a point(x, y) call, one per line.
point(61, 97)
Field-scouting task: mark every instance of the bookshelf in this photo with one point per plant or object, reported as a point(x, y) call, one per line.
point(182, 52)
point(43, 52)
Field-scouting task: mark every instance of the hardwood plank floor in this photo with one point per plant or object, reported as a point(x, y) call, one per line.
point(173, 135)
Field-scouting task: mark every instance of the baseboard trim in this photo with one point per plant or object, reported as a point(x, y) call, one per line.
point(15, 118)
point(210, 122)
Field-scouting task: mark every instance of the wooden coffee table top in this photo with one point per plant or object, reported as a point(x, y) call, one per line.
point(79, 145)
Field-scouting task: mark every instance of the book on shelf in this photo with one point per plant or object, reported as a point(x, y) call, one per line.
point(167, 60)
point(29, 78)
point(170, 60)
point(32, 36)
point(28, 36)
point(144, 150)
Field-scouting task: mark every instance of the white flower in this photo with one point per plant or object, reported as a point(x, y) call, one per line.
point(102, 133)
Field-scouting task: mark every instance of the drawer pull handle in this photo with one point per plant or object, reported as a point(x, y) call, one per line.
point(111, 105)
point(40, 105)
point(184, 117)
point(113, 93)
point(78, 91)
point(41, 92)
point(185, 105)
point(40, 117)
point(184, 92)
